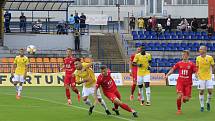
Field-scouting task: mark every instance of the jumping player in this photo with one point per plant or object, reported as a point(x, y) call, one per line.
point(184, 82)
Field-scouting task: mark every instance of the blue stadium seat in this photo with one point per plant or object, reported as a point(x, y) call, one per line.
point(187, 37)
point(203, 33)
point(138, 45)
point(140, 32)
point(135, 37)
point(196, 45)
point(183, 45)
point(163, 44)
point(167, 37)
point(176, 45)
point(154, 37)
point(154, 64)
point(134, 32)
point(170, 60)
point(141, 37)
point(174, 37)
point(190, 44)
point(161, 37)
point(166, 33)
point(161, 64)
point(193, 37)
point(185, 33)
point(146, 33)
point(172, 33)
point(148, 37)
point(157, 44)
point(209, 45)
point(213, 37)
point(205, 37)
point(198, 33)
point(198, 37)
point(180, 48)
point(157, 60)
point(150, 44)
point(191, 33)
point(178, 33)
point(180, 37)
point(193, 49)
point(153, 33)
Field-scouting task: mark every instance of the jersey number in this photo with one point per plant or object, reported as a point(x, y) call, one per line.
point(68, 66)
point(185, 72)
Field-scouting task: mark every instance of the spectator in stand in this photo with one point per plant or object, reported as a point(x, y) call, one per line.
point(210, 31)
point(203, 24)
point(149, 24)
point(132, 23)
point(183, 26)
point(76, 35)
point(82, 23)
point(71, 22)
point(37, 26)
point(141, 23)
point(22, 23)
point(7, 18)
point(77, 21)
point(154, 22)
point(169, 24)
point(194, 25)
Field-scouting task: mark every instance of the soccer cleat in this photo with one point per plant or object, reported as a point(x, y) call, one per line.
point(135, 114)
point(208, 106)
point(148, 104)
point(202, 109)
point(107, 112)
point(91, 110)
point(131, 97)
point(178, 112)
point(79, 97)
point(69, 101)
point(116, 111)
point(142, 103)
point(18, 97)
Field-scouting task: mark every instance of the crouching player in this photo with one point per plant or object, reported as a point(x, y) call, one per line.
point(85, 75)
point(184, 82)
point(110, 91)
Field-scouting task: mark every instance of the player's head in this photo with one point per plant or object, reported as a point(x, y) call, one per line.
point(138, 50)
point(143, 50)
point(185, 54)
point(21, 52)
point(104, 70)
point(69, 52)
point(78, 64)
point(202, 50)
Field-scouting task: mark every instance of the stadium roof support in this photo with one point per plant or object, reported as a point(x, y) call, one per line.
point(37, 5)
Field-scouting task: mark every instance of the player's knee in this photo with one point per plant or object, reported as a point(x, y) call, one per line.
point(140, 86)
point(179, 96)
point(210, 92)
point(201, 92)
point(147, 84)
point(99, 99)
point(20, 84)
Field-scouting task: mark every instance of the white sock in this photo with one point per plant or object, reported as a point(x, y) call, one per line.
point(19, 90)
point(88, 102)
point(141, 93)
point(148, 95)
point(104, 104)
point(201, 99)
point(209, 98)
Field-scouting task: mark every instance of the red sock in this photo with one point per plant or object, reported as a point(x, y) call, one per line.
point(133, 89)
point(75, 90)
point(126, 107)
point(179, 104)
point(67, 93)
point(116, 106)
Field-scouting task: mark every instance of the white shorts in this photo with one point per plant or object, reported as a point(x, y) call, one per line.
point(90, 91)
point(142, 79)
point(207, 84)
point(18, 78)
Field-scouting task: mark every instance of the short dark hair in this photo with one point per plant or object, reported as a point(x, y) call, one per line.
point(78, 59)
point(21, 49)
point(69, 49)
point(103, 67)
point(186, 51)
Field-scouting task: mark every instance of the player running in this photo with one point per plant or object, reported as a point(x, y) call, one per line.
point(133, 73)
point(21, 67)
point(205, 65)
point(110, 91)
point(69, 80)
point(85, 75)
point(184, 82)
point(142, 60)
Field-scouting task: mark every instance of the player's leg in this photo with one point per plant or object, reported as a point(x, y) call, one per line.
point(209, 86)
point(179, 99)
point(102, 102)
point(140, 87)
point(74, 88)
point(148, 90)
point(85, 94)
point(187, 93)
point(15, 80)
point(21, 81)
point(133, 86)
point(201, 87)
point(67, 86)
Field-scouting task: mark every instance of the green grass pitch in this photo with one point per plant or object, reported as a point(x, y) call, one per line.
point(49, 104)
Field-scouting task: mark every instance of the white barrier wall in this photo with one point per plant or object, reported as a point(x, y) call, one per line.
point(45, 41)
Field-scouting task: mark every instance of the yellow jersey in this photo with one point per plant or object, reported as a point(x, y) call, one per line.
point(88, 74)
point(21, 63)
point(144, 61)
point(204, 67)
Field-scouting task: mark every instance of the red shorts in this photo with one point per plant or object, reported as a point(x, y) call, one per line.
point(113, 95)
point(69, 80)
point(185, 88)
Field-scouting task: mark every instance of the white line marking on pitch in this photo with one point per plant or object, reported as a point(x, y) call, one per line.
point(78, 107)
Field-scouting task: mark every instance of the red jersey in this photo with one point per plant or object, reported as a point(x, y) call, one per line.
point(185, 69)
point(134, 68)
point(107, 83)
point(69, 65)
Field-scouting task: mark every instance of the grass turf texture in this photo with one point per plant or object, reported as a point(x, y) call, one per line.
point(49, 104)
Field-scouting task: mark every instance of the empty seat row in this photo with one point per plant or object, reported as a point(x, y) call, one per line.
point(168, 33)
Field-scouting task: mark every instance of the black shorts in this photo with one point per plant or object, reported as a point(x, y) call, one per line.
point(82, 25)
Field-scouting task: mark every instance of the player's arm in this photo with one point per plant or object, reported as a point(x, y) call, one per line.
point(86, 66)
point(150, 61)
point(172, 70)
point(212, 66)
point(13, 66)
point(26, 67)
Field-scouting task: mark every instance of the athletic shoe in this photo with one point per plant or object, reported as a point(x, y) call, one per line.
point(208, 106)
point(131, 97)
point(135, 114)
point(142, 103)
point(91, 110)
point(116, 111)
point(202, 109)
point(69, 101)
point(107, 112)
point(148, 104)
point(18, 97)
point(178, 112)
